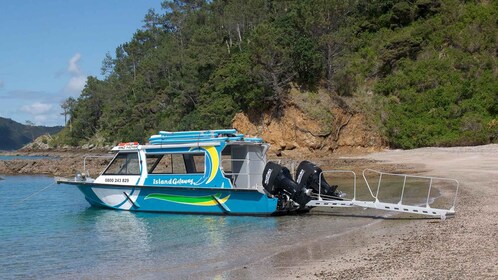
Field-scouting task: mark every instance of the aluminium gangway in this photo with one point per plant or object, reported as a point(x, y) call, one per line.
point(376, 203)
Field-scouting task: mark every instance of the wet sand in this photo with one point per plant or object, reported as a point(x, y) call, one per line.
point(406, 246)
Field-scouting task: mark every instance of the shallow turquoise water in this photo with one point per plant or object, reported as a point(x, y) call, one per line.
point(4, 157)
point(55, 234)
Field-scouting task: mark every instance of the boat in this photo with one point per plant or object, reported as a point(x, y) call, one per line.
point(215, 172)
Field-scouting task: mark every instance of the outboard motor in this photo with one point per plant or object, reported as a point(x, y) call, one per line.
point(308, 175)
point(277, 179)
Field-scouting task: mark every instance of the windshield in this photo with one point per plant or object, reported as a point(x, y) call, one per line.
point(124, 164)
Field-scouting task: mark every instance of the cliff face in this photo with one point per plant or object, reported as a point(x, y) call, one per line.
point(329, 128)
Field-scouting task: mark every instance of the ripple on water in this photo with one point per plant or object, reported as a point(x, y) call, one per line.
point(56, 235)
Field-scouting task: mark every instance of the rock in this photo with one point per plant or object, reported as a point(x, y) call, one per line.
point(344, 132)
point(290, 146)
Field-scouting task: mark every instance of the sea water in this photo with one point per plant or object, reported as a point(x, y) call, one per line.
point(55, 234)
point(13, 157)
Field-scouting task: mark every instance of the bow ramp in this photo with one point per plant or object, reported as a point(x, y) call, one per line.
point(422, 195)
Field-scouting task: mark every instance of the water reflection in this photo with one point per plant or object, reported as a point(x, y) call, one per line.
point(57, 235)
point(161, 244)
point(123, 229)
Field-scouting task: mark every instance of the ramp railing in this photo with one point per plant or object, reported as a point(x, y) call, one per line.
point(401, 205)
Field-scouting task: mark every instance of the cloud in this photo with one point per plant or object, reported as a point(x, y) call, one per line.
point(77, 80)
point(73, 67)
point(37, 108)
point(43, 107)
point(42, 113)
point(42, 119)
point(76, 84)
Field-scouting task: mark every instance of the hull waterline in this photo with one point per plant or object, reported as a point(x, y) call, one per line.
point(179, 200)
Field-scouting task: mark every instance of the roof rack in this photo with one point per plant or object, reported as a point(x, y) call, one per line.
point(182, 137)
point(199, 132)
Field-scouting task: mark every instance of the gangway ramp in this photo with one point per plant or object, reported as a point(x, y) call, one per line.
point(399, 197)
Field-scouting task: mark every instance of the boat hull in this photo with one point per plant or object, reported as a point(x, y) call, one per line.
point(178, 199)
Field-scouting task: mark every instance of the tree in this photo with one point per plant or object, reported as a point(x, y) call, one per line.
point(67, 108)
point(30, 126)
point(272, 62)
point(88, 110)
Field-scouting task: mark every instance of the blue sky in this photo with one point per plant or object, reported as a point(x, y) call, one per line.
point(48, 48)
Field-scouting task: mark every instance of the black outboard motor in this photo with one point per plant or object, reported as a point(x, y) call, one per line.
point(308, 175)
point(277, 179)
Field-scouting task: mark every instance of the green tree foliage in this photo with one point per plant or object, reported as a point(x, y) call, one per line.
point(440, 76)
point(432, 63)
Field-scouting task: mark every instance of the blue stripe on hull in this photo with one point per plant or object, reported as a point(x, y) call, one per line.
point(221, 201)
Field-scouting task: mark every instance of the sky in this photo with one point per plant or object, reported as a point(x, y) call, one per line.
point(49, 48)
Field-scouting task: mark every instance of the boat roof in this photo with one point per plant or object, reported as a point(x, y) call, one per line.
point(200, 138)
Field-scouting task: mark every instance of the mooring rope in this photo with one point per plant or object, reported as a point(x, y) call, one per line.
point(33, 194)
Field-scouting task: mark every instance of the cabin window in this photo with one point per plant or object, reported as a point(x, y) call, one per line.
point(175, 163)
point(124, 164)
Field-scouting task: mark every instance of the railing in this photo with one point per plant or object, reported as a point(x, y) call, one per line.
point(377, 204)
point(335, 171)
point(405, 176)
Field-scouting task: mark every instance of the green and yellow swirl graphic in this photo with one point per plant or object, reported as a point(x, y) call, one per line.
point(207, 200)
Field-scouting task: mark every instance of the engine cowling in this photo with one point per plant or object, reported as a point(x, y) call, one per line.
point(277, 179)
point(308, 176)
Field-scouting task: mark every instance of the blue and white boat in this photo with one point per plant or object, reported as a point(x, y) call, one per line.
point(214, 172)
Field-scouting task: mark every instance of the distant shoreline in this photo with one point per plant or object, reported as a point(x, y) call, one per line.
point(52, 163)
point(69, 162)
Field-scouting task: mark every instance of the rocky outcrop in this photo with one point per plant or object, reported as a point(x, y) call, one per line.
point(55, 163)
point(327, 127)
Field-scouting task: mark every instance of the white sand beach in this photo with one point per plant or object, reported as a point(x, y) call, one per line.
point(462, 247)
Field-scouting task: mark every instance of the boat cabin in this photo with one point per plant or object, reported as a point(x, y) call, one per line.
point(222, 159)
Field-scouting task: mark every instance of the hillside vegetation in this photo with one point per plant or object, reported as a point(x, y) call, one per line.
point(15, 135)
point(423, 71)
